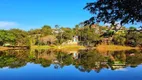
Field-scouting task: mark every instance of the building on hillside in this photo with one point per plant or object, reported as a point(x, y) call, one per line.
point(75, 38)
point(6, 44)
point(73, 41)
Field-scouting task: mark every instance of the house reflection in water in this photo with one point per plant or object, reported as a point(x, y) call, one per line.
point(75, 54)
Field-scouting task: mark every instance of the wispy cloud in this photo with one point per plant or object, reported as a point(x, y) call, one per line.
point(7, 24)
point(12, 24)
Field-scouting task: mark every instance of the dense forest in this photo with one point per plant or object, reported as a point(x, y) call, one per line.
point(85, 35)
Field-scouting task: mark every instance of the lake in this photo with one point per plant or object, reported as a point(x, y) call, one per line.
point(70, 65)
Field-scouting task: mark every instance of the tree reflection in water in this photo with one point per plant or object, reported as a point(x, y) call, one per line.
point(83, 60)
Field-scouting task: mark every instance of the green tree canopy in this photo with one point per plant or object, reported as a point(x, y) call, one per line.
point(6, 36)
point(46, 30)
point(21, 36)
point(109, 11)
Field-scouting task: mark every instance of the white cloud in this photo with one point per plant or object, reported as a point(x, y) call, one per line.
point(11, 24)
point(7, 24)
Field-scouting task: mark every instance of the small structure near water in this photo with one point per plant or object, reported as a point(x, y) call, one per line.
point(73, 41)
point(7, 44)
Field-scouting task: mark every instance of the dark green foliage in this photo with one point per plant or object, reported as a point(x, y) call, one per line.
point(110, 11)
point(134, 38)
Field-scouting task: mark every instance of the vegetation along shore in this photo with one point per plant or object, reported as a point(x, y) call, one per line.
point(88, 36)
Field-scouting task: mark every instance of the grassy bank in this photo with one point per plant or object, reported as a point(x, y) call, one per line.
point(71, 47)
point(4, 48)
point(40, 47)
point(60, 47)
point(114, 48)
point(77, 47)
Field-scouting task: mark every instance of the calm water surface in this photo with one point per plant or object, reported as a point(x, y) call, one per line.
point(71, 65)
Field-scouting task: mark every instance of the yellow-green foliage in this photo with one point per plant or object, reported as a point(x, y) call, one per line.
point(40, 47)
point(71, 47)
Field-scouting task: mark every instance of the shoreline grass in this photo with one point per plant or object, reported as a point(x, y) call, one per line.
point(4, 48)
point(40, 47)
point(114, 48)
point(77, 47)
point(60, 47)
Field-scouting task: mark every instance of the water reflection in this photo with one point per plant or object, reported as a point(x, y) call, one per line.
point(83, 60)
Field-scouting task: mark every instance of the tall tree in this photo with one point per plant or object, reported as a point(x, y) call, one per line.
point(46, 30)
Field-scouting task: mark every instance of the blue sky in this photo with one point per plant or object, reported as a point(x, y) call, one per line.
point(30, 14)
